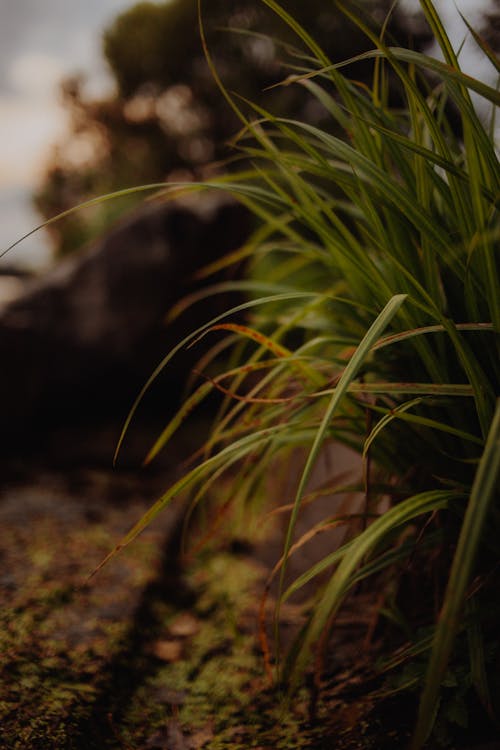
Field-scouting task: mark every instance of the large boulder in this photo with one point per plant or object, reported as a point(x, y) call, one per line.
point(79, 343)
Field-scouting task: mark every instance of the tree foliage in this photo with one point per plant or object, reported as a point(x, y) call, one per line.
point(167, 119)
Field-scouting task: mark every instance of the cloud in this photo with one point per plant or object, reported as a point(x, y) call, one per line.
point(36, 75)
point(40, 43)
point(67, 31)
point(27, 129)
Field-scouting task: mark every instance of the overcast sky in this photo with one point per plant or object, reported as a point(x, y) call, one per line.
point(41, 41)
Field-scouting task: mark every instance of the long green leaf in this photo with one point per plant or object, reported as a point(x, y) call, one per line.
point(350, 372)
point(483, 492)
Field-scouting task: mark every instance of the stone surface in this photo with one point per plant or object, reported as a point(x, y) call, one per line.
point(78, 344)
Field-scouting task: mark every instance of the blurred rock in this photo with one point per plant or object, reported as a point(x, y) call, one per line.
point(77, 345)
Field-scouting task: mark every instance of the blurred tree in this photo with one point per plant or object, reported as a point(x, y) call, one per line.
point(167, 118)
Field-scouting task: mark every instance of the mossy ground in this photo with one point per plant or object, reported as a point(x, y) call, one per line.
point(146, 655)
point(153, 656)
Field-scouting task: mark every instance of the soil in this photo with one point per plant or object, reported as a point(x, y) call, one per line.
point(152, 653)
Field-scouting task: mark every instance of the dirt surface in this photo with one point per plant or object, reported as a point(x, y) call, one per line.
point(60, 634)
point(149, 654)
point(145, 655)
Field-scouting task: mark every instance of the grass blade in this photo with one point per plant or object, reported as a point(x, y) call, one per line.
point(484, 489)
point(350, 372)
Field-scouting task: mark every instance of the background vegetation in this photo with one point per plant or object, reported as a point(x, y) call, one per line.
point(166, 118)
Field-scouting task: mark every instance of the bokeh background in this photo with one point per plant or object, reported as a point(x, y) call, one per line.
point(40, 45)
point(44, 44)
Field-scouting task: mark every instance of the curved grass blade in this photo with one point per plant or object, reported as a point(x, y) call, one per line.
point(87, 204)
point(400, 413)
point(419, 59)
point(244, 285)
point(387, 419)
point(425, 389)
point(187, 340)
point(483, 44)
point(197, 397)
point(404, 335)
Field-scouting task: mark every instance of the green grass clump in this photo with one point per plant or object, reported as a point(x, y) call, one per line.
point(373, 320)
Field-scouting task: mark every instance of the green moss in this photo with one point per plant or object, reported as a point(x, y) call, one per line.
point(55, 636)
point(216, 690)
